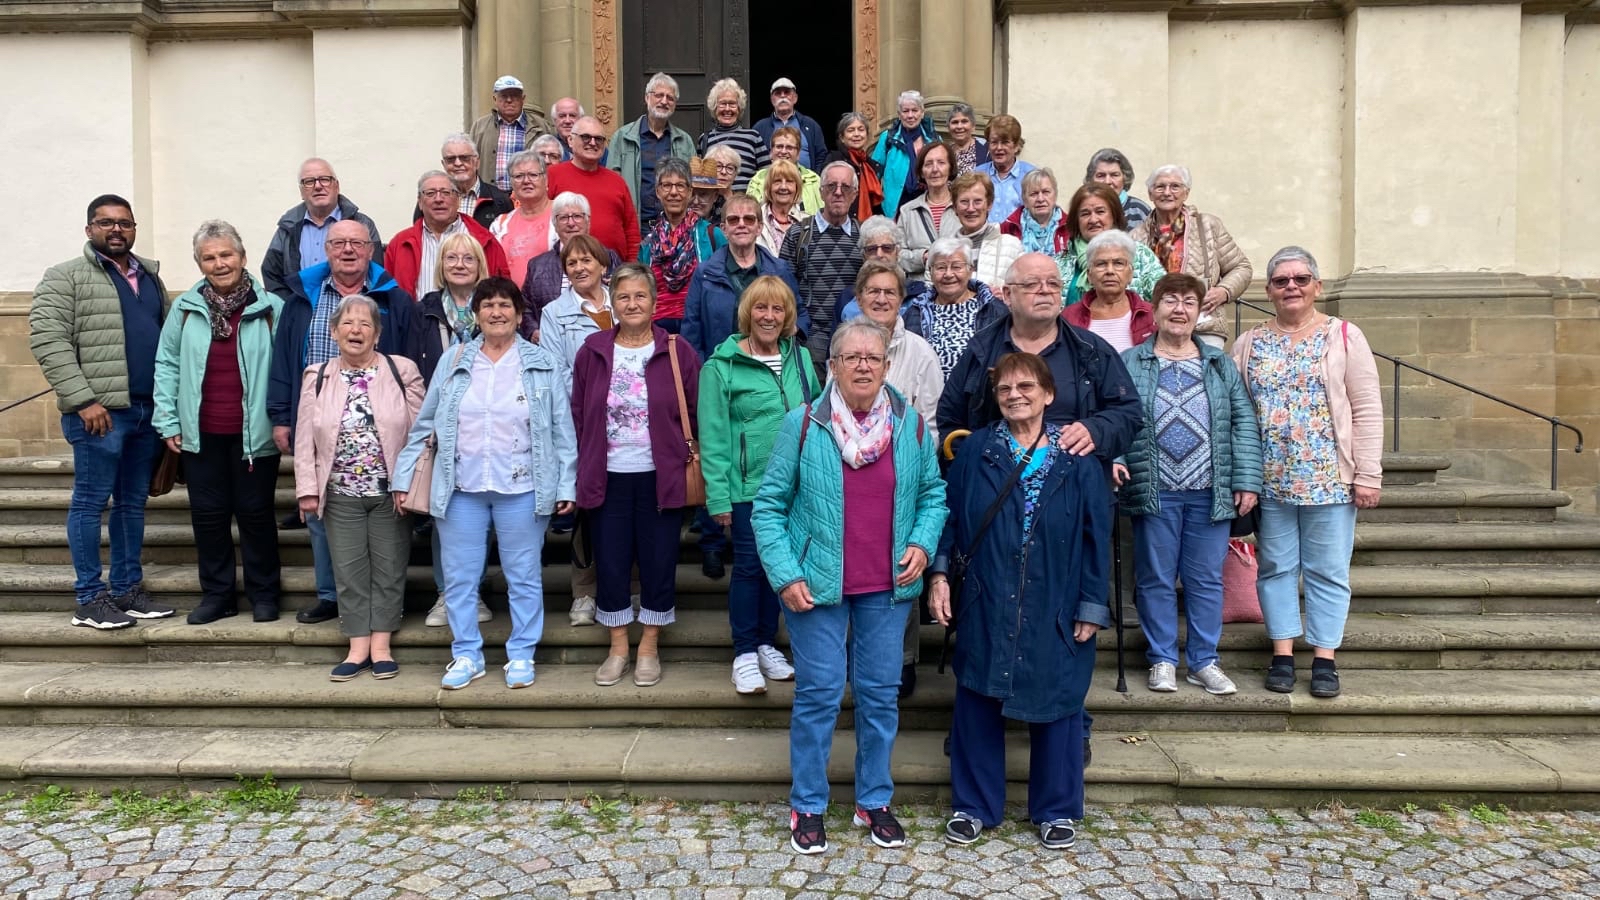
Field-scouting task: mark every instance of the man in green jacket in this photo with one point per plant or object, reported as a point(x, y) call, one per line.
point(636, 147)
point(94, 327)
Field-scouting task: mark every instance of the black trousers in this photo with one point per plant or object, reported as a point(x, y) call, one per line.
point(225, 488)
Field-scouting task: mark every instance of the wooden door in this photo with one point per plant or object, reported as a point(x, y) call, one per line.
point(697, 42)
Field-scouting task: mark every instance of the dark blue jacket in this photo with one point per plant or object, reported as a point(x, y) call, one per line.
point(1021, 601)
point(289, 345)
point(281, 266)
point(814, 141)
point(711, 309)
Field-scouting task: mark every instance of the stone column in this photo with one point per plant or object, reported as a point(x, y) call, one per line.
point(566, 52)
point(507, 42)
point(978, 35)
point(946, 47)
point(899, 51)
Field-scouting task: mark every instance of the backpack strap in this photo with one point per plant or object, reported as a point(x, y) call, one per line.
point(805, 426)
point(322, 375)
point(395, 371)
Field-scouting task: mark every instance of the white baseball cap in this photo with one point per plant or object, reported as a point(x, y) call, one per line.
point(507, 83)
point(782, 83)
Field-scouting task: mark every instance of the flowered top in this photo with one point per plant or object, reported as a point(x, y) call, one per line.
point(628, 412)
point(1032, 481)
point(950, 329)
point(1183, 426)
point(1297, 443)
point(358, 466)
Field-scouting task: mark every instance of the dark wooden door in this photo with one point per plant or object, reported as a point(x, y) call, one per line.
point(697, 42)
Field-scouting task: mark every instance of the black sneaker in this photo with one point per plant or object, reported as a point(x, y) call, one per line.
point(137, 603)
point(882, 826)
point(1058, 834)
point(908, 680)
point(212, 610)
point(712, 565)
point(101, 613)
point(962, 829)
point(324, 611)
point(1325, 682)
point(1280, 679)
point(806, 834)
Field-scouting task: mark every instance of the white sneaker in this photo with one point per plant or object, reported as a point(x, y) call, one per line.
point(1164, 678)
point(773, 663)
point(582, 611)
point(437, 617)
point(1213, 680)
point(485, 614)
point(747, 674)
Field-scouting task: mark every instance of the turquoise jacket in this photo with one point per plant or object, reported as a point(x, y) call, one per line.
point(181, 368)
point(798, 516)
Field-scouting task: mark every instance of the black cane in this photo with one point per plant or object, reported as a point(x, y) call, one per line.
point(1116, 582)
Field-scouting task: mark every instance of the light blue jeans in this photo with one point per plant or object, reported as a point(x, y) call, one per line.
point(875, 626)
point(1180, 537)
point(463, 538)
point(1313, 543)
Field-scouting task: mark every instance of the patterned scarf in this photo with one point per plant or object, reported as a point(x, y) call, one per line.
point(1167, 241)
point(869, 198)
point(1038, 238)
point(673, 252)
point(863, 442)
point(222, 306)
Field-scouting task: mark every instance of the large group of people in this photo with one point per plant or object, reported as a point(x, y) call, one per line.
point(884, 378)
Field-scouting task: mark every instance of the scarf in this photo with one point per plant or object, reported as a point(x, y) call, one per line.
point(1078, 250)
point(673, 252)
point(221, 307)
point(864, 442)
point(893, 152)
point(1167, 241)
point(870, 198)
point(1038, 238)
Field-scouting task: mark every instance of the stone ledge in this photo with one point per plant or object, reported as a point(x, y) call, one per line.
point(1216, 10)
point(228, 19)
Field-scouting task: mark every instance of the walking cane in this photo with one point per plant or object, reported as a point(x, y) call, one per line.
point(1116, 582)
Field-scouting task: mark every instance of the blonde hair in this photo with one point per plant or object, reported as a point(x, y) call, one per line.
point(768, 289)
point(456, 242)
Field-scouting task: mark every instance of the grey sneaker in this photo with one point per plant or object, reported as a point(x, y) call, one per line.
point(1059, 834)
point(1212, 679)
point(102, 614)
point(137, 604)
point(438, 617)
point(1164, 678)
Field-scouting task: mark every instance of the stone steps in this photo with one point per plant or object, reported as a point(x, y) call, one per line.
point(740, 764)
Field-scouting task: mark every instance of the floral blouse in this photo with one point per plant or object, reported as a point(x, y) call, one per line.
point(1297, 442)
point(358, 466)
point(1031, 483)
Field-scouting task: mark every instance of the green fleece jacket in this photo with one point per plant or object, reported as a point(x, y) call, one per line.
point(742, 404)
point(181, 368)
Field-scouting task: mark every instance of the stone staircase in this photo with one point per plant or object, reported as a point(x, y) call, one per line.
point(1472, 673)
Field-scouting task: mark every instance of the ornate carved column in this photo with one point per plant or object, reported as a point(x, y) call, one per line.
point(607, 71)
point(867, 58)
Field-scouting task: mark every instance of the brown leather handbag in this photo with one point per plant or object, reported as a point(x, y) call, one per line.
point(694, 481)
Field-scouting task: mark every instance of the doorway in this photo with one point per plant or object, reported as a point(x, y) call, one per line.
point(812, 44)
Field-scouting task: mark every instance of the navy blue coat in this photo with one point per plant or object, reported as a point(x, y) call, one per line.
point(816, 143)
point(1021, 601)
point(711, 308)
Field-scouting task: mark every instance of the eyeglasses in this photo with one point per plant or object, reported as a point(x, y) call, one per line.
point(460, 158)
point(1167, 188)
point(550, 157)
point(881, 292)
point(879, 248)
point(113, 224)
point(459, 259)
point(950, 268)
point(317, 180)
point(1282, 281)
point(663, 95)
point(855, 360)
point(527, 176)
point(726, 168)
point(346, 243)
point(1185, 301)
point(589, 138)
point(571, 217)
point(834, 187)
point(751, 219)
point(1037, 286)
point(436, 193)
point(671, 187)
point(1021, 387)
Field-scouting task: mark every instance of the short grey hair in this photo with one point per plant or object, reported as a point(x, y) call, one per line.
point(875, 226)
point(1111, 239)
point(317, 159)
point(1289, 254)
point(1170, 169)
point(672, 165)
point(858, 324)
point(658, 80)
point(725, 153)
point(740, 199)
point(946, 247)
point(361, 300)
point(961, 108)
point(1034, 176)
point(1109, 155)
point(543, 139)
point(847, 119)
point(727, 86)
point(557, 102)
point(854, 179)
point(434, 173)
point(458, 138)
point(523, 157)
point(911, 97)
point(568, 201)
point(217, 230)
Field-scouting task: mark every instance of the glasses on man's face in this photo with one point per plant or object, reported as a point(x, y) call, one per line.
point(595, 139)
point(835, 187)
point(748, 219)
point(317, 180)
point(1282, 281)
point(550, 157)
point(785, 148)
point(113, 224)
point(436, 193)
point(459, 158)
point(346, 243)
point(1037, 285)
point(856, 360)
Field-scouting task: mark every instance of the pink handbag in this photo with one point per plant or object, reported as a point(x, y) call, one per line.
point(1240, 603)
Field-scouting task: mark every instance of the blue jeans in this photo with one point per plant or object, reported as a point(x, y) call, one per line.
point(462, 537)
point(114, 466)
point(630, 530)
point(752, 604)
point(1180, 537)
point(438, 562)
point(875, 626)
point(321, 561)
point(1310, 542)
point(978, 763)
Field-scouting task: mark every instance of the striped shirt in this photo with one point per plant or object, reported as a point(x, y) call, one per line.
point(827, 266)
point(752, 150)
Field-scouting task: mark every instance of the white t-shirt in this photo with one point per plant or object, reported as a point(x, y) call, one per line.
point(493, 449)
point(773, 362)
point(1117, 332)
point(628, 412)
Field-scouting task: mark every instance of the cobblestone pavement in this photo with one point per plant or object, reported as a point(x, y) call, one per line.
point(60, 844)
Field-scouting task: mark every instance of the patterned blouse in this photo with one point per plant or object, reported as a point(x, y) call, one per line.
point(358, 466)
point(1032, 481)
point(1297, 443)
point(950, 330)
point(1183, 426)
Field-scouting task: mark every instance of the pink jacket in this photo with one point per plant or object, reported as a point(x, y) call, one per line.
point(395, 406)
point(1351, 375)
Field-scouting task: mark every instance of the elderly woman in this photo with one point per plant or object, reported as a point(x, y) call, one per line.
point(993, 251)
point(549, 149)
point(355, 412)
point(923, 220)
point(1195, 243)
point(1015, 495)
point(1111, 167)
point(807, 189)
point(1110, 309)
point(1004, 167)
point(959, 307)
point(1092, 210)
point(971, 151)
point(547, 275)
point(753, 378)
point(626, 386)
point(711, 309)
point(879, 240)
point(677, 243)
point(851, 505)
point(524, 232)
point(211, 406)
point(854, 134)
point(506, 458)
point(1039, 223)
point(1194, 466)
point(727, 101)
point(899, 148)
point(783, 205)
point(1315, 387)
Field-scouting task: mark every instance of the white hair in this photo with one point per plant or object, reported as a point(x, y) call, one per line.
point(727, 86)
point(1110, 239)
point(457, 138)
point(434, 173)
point(569, 200)
point(876, 225)
point(1289, 254)
point(1170, 169)
point(854, 181)
point(659, 79)
point(217, 230)
point(545, 139)
point(911, 97)
point(946, 247)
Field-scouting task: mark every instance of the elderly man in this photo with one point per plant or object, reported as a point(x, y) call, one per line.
point(614, 217)
point(786, 146)
point(546, 279)
point(506, 131)
point(824, 255)
point(524, 233)
point(304, 338)
point(413, 254)
point(297, 243)
point(482, 201)
point(636, 147)
point(813, 142)
point(94, 326)
point(566, 113)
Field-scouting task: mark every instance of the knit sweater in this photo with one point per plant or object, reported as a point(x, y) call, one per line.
point(824, 264)
point(748, 142)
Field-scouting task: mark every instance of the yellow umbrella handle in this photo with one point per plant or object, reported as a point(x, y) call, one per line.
point(949, 446)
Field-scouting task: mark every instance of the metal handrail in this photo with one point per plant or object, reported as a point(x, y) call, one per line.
point(1555, 422)
point(16, 403)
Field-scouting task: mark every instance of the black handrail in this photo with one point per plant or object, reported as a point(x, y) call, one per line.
point(16, 403)
point(1555, 422)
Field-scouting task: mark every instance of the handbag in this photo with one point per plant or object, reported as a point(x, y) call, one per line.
point(694, 480)
point(416, 501)
point(168, 471)
point(1247, 524)
point(1240, 602)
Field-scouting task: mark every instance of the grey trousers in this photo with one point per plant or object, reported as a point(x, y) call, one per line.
point(369, 546)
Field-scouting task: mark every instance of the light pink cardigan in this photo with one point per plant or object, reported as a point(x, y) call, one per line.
point(394, 406)
point(1351, 375)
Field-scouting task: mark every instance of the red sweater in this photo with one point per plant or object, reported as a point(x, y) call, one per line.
point(612, 216)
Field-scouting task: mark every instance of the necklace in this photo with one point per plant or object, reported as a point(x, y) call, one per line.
point(1188, 351)
point(1291, 332)
point(634, 343)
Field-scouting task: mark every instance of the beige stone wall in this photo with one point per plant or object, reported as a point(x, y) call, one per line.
point(1579, 212)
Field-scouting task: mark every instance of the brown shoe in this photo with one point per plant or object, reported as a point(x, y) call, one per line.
point(647, 671)
point(611, 671)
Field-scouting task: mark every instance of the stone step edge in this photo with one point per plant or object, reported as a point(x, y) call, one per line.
point(754, 764)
